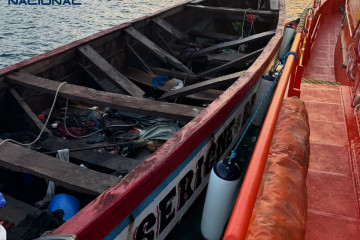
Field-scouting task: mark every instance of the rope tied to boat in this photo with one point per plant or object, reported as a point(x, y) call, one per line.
point(283, 61)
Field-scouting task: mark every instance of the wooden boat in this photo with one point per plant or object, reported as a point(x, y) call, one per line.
point(325, 76)
point(198, 42)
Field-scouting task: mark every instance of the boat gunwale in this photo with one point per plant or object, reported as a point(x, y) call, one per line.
point(91, 222)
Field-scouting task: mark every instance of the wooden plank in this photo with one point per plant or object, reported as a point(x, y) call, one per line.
point(68, 175)
point(236, 11)
point(28, 110)
point(234, 43)
point(103, 160)
point(233, 63)
point(138, 57)
point(100, 98)
point(225, 80)
point(160, 53)
point(112, 73)
point(169, 28)
point(15, 211)
point(146, 79)
point(224, 56)
point(106, 160)
point(172, 73)
point(103, 83)
point(212, 35)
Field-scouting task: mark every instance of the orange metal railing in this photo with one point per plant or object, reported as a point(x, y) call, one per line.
point(289, 82)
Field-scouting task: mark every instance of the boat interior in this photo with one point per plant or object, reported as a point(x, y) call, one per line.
point(128, 89)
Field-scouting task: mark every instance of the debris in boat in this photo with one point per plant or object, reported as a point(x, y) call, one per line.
point(2, 232)
point(152, 146)
point(63, 154)
point(68, 203)
point(2, 200)
point(33, 226)
point(50, 192)
point(179, 85)
point(95, 138)
point(159, 80)
point(159, 131)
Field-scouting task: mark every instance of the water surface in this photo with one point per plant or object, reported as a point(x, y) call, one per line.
point(26, 31)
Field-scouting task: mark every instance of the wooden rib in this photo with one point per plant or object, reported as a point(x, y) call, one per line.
point(28, 110)
point(101, 98)
point(236, 11)
point(234, 43)
point(223, 56)
point(103, 83)
point(169, 28)
point(138, 57)
point(226, 80)
point(68, 175)
point(172, 73)
point(166, 44)
point(233, 63)
point(212, 35)
point(159, 52)
point(146, 79)
point(112, 73)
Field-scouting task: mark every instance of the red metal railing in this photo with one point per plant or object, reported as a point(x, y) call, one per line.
point(289, 82)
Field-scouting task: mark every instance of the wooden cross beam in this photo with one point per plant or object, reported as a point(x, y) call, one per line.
point(100, 98)
point(112, 73)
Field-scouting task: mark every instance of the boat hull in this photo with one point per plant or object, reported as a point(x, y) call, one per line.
point(150, 200)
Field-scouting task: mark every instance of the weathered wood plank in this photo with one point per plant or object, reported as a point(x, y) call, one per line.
point(230, 64)
point(138, 57)
point(224, 56)
point(103, 83)
point(159, 52)
point(236, 11)
point(103, 160)
point(28, 110)
point(234, 43)
point(114, 75)
point(146, 79)
point(112, 100)
point(225, 80)
point(212, 35)
point(172, 73)
point(68, 175)
point(106, 160)
point(169, 28)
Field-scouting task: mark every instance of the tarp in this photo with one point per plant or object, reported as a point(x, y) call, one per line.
point(281, 208)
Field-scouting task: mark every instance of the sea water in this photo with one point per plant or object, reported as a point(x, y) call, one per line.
point(29, 30)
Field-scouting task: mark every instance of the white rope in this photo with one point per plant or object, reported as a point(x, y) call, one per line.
point(43, 128)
